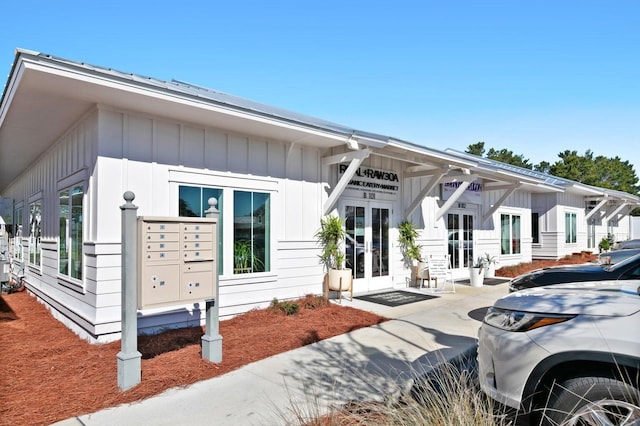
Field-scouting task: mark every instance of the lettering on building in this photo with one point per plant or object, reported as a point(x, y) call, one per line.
point(372, 180)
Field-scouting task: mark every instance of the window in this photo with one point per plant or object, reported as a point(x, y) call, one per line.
point(535, 228)
point(570, 228)
point(17, 240)
point(70, 236)
point(193, 201)
point(35, 231)
point(509, 234)
point(251, 241)
point(251, 232)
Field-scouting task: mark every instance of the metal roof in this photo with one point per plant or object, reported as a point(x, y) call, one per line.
point(207, 96)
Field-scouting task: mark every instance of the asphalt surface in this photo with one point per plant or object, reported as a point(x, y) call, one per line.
point(369, 364)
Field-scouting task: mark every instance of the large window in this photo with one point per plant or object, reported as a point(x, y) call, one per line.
point(251, 232)
point(35, 232)
point(509, 234)
point(70, 236)
point(570, 228)
point(194, 202)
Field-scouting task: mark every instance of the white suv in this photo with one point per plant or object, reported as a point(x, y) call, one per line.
point(565, 354)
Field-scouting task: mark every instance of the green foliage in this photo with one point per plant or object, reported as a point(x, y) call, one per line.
point(489, 260)
point(479, 263)
point(610, 173)
point(605, 244)
point(508, 157)
point(331, 237)
point(407, 235)
point(476, 149)
point(245, 259)
point(600, 171)
point(286, 307)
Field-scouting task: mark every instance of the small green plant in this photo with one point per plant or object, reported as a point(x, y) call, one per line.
point(407, 239)
point(489, 260)
point(479, 263)
point(286, 307)
point(605, 244)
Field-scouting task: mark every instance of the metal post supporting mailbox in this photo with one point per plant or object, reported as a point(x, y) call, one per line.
point(129, 359)
point(212, 340)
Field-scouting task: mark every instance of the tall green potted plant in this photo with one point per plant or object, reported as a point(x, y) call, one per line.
point(331, 237)
point(411, 250)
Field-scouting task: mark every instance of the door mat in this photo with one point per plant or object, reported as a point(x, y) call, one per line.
point(395, 298)
point(487, 281)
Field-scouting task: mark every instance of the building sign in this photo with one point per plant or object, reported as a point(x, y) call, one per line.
point(473, 193)
point(372, 180)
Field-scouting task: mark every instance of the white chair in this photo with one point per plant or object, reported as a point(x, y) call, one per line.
point(423, 273)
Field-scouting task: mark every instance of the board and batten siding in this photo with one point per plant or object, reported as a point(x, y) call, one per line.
point(69, 161)
point(152, 156)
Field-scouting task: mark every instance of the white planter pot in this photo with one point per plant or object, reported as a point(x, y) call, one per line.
point(490, 271)
point(339, 279)
point(476, 277)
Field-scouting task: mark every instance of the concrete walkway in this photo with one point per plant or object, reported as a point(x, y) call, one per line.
point(365, 365)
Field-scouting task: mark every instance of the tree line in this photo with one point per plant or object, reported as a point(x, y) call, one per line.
point(601, 171)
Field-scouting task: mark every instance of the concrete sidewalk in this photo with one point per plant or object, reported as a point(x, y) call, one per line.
point(365, 365)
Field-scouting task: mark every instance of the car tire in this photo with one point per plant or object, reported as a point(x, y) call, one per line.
point(580, 401)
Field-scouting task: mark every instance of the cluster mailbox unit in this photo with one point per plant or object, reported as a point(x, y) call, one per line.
point(177, 260)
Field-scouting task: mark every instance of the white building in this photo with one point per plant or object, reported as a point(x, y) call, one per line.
point(75, 137)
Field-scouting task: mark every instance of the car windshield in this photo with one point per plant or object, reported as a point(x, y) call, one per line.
point(621, 264)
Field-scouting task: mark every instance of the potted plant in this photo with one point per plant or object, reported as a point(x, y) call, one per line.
point(411, 250)
point(489, 263)
point(476, 273)
point(331, 237)
point(605, 244)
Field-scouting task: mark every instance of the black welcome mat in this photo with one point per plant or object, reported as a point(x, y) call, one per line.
point(486, 281)
point(395, 298)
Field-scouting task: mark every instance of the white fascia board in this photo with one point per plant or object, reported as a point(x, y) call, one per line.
point(164, 95)
point(442, 156)
point(10, 91)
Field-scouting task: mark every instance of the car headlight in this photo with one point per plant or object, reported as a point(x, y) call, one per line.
point(521, 321)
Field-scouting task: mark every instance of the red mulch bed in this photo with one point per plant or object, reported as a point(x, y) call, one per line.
point(514, 271)
point(49, 374)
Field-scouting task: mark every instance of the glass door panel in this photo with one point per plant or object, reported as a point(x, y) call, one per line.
point(460, 239)
point(367, 244)
point(354, 240)
point(380, 242)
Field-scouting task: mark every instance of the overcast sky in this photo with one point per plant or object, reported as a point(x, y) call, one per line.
point(536, 77)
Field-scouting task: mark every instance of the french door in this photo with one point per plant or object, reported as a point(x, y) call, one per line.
point(460, 239)
point(367, 243)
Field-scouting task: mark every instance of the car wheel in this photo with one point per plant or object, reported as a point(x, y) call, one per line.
point(592, 401)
